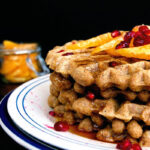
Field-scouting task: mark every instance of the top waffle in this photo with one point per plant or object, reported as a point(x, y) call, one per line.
point(86, 69)
point(115, 65)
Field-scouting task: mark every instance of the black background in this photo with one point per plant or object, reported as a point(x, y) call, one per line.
point(55, 22)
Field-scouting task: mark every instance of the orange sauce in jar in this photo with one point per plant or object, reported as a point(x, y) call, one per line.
point(14, 66)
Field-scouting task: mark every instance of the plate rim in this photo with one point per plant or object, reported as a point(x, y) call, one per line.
point(15, 133)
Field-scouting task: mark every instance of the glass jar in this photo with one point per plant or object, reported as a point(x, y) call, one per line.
point(17, 66)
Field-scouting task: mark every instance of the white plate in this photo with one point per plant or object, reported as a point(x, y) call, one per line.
point(18, 136)
point(28, 108)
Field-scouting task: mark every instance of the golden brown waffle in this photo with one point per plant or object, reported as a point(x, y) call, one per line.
point(144, 96)
point(95, 82)
point(129, 95)
point(126, 111)
point(73, 107)
point(64, 61)
point(136, 76)
point(58, 81)
point(87, 69)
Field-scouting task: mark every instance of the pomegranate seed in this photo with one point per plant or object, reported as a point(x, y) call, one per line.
point(147, 40)
point(136, 147)
point(113, 63)
point(124, 145)
point(119, 146)
point(90, 96)
point(61, 126)
point(60, 51)
point(67, 54)
point(139, 34)
point(122, 44)
point(138, 41)
point(52, 113)
point(143, 28)
point(115, 33)
point(147, 32)
point(129, 35)
point(73, 42)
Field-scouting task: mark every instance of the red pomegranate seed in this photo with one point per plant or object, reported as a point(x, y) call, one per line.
point(122, 44)
point(67, 54)
point(113, 63)
point(61, 51)
point(119, 146)
point(129, 35)
point(139, 34)
point(52, 113)
point(143, 28)
point(124, 145)
point(90, 95)
point(138, 41)
point(115, 33)
point(136, 147)
point(147, 33)
point(61, 126)
point(73, 42)
point(147, 40)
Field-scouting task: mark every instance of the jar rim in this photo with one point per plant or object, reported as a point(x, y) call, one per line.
point(18, 52)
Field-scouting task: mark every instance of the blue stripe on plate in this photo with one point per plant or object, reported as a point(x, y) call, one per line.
point(11, 126)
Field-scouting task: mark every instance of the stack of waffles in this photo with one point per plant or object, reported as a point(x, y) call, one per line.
point(101, 90)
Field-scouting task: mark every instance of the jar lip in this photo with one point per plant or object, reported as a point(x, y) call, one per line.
point(18, 52)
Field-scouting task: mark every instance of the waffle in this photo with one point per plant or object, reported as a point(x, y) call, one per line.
point(143, 96)
point(87, 70)
point(86, 91)
point(126, 111)
point(70, 102)
point(135, 76)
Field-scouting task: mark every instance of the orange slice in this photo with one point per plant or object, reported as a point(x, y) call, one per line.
point(141, 52)
point(10, 63)
point(95, 41)
point(19, 46)
point(136, 28)
point(109, 45)
point(131, 43)
point(112, 52)
point(9, 44)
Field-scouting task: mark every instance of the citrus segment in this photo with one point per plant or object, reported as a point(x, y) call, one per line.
point(109, 45)
point(18, 46)
point(131, 43)
point(141, 52)
point(9, 44)
point(95, 41)
point(112, 52)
